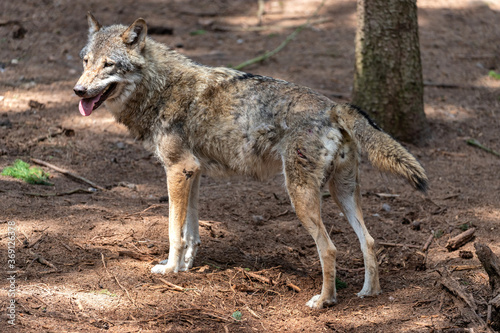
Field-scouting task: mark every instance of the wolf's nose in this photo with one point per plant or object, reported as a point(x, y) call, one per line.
point(80, 90)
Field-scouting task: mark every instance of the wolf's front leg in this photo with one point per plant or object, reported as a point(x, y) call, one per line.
point(183, 179)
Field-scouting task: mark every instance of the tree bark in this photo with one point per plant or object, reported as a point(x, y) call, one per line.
point(388, 80)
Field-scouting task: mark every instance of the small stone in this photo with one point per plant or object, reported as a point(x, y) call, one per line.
point(415, 225)
point(5, 123)
point(257, 218)
point(386, 207)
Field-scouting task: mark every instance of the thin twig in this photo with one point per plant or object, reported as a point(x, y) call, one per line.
point(42, 260)
point(428, 243)
point(66, 246)
point(399, 245)
point(256, 276)
point(60, 194)
point(67, 173)
point(293, 287)
point(172, 286)
point(181, 312)
point(116, 279)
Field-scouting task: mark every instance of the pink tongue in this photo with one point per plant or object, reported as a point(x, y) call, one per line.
point(87, 105)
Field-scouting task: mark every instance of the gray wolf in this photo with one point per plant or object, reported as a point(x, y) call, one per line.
point(219, 121)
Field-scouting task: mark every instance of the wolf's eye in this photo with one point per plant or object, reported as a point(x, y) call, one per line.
point(85, 61)
point(108, 64)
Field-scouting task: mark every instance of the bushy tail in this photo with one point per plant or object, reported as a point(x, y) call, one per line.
point(383, 151)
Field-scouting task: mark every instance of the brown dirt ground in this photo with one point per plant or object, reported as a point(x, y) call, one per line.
point(248, 224)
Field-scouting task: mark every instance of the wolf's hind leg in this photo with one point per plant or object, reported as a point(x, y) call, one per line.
point(344, 188)
point(307, 202)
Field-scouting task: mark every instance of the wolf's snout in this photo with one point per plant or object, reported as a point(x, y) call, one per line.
point(80, 90)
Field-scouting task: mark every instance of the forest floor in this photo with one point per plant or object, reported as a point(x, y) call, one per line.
point(102, 245)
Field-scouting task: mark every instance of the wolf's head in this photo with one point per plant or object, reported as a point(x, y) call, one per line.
point(112, 59)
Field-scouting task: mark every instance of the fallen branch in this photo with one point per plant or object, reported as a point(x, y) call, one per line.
point(67, 173)
point(455, 289)
point(460, 240)
point(491, 264)
point(475, 143)
point(290, 37)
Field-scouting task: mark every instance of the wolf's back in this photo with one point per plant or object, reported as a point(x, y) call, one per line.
point(384, 152)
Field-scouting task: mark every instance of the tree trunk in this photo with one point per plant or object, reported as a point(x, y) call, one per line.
point(388, 80)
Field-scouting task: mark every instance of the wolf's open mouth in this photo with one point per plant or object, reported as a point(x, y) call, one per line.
point(87, 105)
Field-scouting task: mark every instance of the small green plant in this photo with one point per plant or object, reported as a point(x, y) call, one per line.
point(106, 292)
point(340, 284)
point(237, 315)
point(494, 75)
point(464, 227)
point(198, 32)
point(31, 175)
point(438, 234)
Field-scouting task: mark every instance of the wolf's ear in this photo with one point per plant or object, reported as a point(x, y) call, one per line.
point(94, 25)
point(135, 35)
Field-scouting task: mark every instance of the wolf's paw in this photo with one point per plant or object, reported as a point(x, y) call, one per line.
point(369, 292)
point(162, 269)
point(317, 303)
